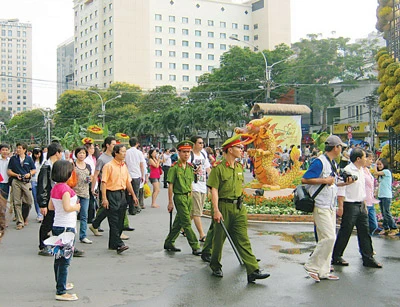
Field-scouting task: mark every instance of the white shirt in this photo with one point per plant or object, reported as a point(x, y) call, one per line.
point(354, 192)
point(133, 159)
point(167, 159)
point(204, 164)
point(3, 169)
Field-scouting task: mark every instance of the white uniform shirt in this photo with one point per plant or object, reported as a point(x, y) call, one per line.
point(133, 159)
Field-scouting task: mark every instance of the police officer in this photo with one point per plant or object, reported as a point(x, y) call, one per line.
point(180, 177)
point(226, 181)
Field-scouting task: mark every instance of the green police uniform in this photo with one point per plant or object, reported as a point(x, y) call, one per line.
point(182, 179)
point(228, 181)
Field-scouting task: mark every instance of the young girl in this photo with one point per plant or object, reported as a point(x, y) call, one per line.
point(154, 163)
point(64, 203)
point(385, 197)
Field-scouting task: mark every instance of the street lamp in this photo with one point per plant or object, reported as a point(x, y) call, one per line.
point(2, 125)
point(103, 105)
point(268, 69)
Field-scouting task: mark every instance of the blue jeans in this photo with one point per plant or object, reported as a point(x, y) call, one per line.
point(61, 264)
point(83, 216)
point(34, 194)
point(388, 222)
point(5, 189)
point(372, 221)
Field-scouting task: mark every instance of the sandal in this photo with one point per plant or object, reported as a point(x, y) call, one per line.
point(313, 275)
point(19, 226)
point(331, 277)
point(183, 233)
point(202, 239)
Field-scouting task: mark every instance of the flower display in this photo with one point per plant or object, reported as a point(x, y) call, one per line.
point(121, 136)
point(87, 140)
point(95, 129)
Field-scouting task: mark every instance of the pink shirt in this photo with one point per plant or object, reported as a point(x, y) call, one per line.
point(369, 188)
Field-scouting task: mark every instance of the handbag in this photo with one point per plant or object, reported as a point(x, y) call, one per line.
point(73, 180)
point(302, 199)
point(160, 169)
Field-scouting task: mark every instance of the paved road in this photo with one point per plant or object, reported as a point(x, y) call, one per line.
point(145, 275)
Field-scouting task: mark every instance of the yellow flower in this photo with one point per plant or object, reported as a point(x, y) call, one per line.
point(95, 129)
point(87, 140)
point(121, 136)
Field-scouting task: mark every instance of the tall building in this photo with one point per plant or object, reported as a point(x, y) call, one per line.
point(157, 42)
point(16, 65)
point(65, 66)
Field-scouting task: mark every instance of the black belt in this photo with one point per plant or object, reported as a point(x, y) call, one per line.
point(116, 190)
point(353, 202)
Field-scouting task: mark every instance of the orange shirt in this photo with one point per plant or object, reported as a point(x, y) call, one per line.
point(115, 175)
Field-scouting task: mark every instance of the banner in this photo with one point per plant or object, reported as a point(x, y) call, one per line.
point(289, 127)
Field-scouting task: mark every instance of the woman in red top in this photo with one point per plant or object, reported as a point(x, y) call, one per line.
point(154, 177)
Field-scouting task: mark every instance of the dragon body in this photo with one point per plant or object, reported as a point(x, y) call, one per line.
point(266, 142)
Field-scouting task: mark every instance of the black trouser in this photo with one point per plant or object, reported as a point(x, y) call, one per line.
point(45, 227)
point(92, 205)
point(101, 214)
point(353, 215)
point(136, 186)
point(165, 170)
point(115, 214)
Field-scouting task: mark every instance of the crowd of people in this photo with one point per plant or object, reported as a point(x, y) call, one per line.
point(90, 184)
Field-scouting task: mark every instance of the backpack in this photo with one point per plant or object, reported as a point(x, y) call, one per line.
point(174, 158)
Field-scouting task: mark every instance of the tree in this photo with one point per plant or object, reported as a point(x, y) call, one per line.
point(27, 126)
point(321, 62)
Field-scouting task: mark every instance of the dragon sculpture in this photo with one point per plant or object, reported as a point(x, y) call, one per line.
point(261, 133)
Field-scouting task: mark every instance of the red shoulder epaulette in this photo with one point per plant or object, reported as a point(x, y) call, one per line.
point(217, 163)
point(174, 163)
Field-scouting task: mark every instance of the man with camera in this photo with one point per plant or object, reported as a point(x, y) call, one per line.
point(323, 173)
point(353, 210)
point(21, 168)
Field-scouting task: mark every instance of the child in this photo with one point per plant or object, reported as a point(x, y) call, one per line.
point(64, 203)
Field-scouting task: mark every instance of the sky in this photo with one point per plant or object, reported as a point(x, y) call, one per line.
point(52, 23)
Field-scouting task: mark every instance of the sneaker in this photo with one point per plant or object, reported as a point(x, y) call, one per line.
point(124, 237)
point(393, 232)
point(78, 253)
point(69, 286)
point(86, 241)
point(45, 252)
point(66, 297)
point(95, 231)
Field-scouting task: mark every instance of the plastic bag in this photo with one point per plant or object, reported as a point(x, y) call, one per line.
point(146, 190)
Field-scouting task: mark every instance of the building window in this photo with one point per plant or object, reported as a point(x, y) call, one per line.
point(222, 46)
point(110, 32)
point(197, 33)
point(185, 66)
point(185, 20)
point(211, 23)
point(172, 77)
point(172, 54)
point(246, 38)
point(104, 34)
point(158, 64)
point(185, 43)
point(172, 18)
point(198, 67)
point(222, 24)
point(255, 26)
point(256, 37)
point(158, 17)
point(185, 55)
point(197, 21)
point(210, 46)
point(246, 27)
point(110, 19)
point(222, 35)
point(110, 44)
point(185, 32)
point(158, 41)
point(171, 30)
point(172, 65)
point(158, 77)
point(158, 29)
point(105, 73)
point(185, 78)
point(210, 68)
point(197, 56)
point(197, 44)
point(234, 25)
point(210, 34)
point(172, 42)
point(158, 52)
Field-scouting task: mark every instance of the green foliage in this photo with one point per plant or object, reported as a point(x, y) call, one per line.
point(25, 127)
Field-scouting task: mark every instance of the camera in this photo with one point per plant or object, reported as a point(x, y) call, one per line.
point(344, 175)
point(195, 169)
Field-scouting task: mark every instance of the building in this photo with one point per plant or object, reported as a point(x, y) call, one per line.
point(158, 42)
point(65, 66)
point(16, 65)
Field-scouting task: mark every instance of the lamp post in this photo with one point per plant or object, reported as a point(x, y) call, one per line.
point(47, 122)
point(2, 125)
point(103, 105)
point(268, 69)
